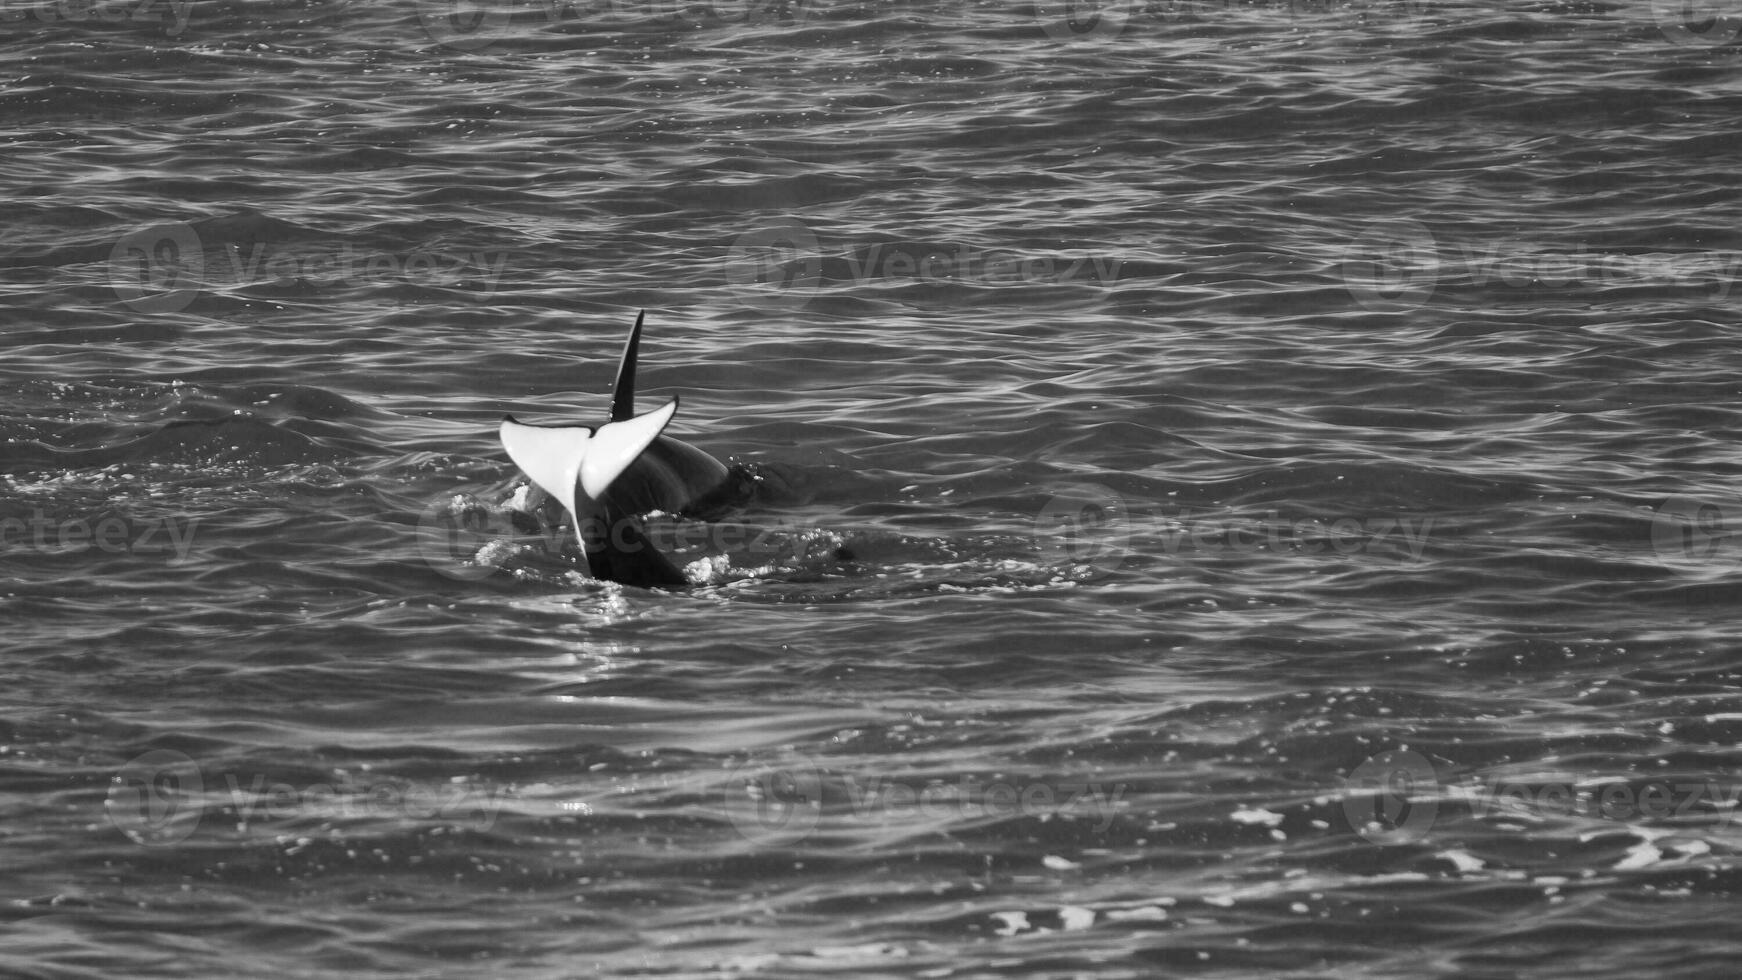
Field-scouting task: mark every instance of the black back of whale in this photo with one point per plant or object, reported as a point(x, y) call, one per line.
point(670, 476)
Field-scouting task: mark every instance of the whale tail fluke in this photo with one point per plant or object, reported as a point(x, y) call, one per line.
point(562, 458)
point(577, 466)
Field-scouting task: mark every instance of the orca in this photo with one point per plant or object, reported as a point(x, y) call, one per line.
point(607, 477)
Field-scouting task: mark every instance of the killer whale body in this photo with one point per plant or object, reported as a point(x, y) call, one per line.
point(606, 477)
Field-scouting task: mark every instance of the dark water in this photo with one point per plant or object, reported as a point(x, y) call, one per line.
point(1236, 490)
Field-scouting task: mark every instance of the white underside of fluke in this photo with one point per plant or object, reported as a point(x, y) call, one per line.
point(564, 459)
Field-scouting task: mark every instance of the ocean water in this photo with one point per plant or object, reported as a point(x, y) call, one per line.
point(1232, 489)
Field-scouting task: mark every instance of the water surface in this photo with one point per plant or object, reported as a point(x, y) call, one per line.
point(1236, 490)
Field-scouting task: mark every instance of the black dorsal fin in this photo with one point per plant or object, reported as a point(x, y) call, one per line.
point(623, 396)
